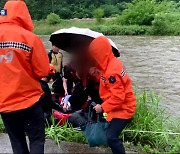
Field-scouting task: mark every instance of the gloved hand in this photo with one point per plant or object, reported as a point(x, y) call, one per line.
point(65, 103)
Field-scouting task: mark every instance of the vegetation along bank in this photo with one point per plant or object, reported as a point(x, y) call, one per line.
point(136, 17)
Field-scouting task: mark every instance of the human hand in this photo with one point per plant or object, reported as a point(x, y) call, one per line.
point(66, 107)
point(98, 108)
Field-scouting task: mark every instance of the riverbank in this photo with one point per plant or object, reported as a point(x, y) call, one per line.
point(107, 27)
point(150, 130)
point(64, 147)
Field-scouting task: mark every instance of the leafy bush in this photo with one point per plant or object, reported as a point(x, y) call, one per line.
point(53, 19)
point(65, 13)
point(110, 10)
point(166, 24)
point(160, 25)
point(98, 14)
point(139, 12)
point(142, 12)
point(121, 6)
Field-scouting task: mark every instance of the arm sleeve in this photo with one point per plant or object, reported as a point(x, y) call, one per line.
point(39, 59)
point(67, 71)
point(48, 99)
point(61, 68)
point(117, 95)
point(50, 56)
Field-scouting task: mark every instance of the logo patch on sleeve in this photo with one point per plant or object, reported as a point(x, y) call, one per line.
point(112, 79)
point(3, 12)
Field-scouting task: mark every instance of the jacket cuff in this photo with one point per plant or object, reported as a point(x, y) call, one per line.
point(104, 107)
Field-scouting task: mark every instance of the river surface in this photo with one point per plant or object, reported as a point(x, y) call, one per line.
point(153, 64)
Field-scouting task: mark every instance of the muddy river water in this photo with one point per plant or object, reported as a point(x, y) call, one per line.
point(153, 64)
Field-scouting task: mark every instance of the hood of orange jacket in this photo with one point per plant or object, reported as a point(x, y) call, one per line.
point(17, 13)
point(101, 51)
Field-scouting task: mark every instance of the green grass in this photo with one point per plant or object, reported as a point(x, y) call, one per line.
point(122, 29)
point(2, 129)
point(107, 27)
point(149, 117)
point(152, 119)
point(43, 28)
point(64, 133)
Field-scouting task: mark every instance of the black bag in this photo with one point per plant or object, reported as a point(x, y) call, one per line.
point(78, 118)
point(95, 131)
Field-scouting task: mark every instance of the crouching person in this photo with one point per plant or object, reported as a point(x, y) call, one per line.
point(23, 61)
point(119, 101)
point(48, 104)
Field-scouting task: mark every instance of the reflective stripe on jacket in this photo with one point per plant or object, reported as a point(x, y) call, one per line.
point(23, 59)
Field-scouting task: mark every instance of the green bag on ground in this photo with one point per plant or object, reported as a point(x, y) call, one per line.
point(95, 131)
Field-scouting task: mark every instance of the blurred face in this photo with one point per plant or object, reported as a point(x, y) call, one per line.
point(55, 49)
point(95, 73)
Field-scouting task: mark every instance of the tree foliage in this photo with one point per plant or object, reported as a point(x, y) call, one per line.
point(68, 9)
point(142, 12)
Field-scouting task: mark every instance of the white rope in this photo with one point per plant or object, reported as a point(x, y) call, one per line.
point(141, 131)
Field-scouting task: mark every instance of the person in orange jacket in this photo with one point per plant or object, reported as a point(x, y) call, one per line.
point(119, 101)
point(23, 61)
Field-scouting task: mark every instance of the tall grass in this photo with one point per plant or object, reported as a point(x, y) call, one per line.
point(2, 129)
point(107, 27)
point(43, 28)
point(122, 29)
point(110, 27)
point(64, 133)
point(150, 117)
point(150, 126)
point(150, 129)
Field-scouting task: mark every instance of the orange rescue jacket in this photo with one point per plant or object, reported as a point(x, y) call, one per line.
point(116, 91)
point(23, 59)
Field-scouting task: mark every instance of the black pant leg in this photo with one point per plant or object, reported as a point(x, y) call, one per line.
point(35, 128)
point(113, 133)
point(14, 125)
